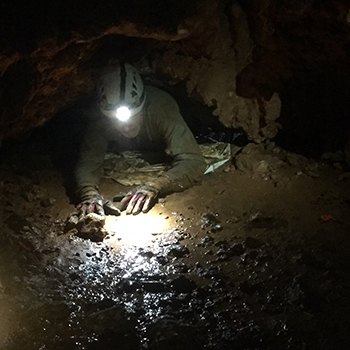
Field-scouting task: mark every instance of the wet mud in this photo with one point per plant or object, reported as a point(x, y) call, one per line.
point(257, 257)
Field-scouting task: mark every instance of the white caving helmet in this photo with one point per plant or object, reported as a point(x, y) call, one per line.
point(121, 92)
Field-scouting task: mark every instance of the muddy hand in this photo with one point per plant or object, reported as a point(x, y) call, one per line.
point(141, 199)
point(93, 204)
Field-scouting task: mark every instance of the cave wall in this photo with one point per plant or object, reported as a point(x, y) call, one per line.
point(210, 61)
point(235, 56)
point(290, 36)
point(48, 55)
point(302, 50)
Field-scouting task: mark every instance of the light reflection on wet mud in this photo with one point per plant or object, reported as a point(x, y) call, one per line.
point(182, 283)
point(86, 282)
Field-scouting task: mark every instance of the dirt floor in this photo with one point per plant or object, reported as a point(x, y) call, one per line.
point(257, 257)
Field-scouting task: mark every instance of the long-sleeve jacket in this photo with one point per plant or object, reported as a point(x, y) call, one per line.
point(163, 128)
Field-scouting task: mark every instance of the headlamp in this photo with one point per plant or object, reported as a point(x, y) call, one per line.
point(123, 113)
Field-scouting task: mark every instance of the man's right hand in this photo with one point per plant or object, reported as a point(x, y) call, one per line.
point(92, 202)
point(88, 221)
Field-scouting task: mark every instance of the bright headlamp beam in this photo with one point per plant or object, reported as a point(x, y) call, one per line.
point(123, 113)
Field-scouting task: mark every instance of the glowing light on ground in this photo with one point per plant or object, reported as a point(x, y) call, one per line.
point(138, 230)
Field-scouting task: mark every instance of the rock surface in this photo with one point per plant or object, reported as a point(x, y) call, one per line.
point(56, 51)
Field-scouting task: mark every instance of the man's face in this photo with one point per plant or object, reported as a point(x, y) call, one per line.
point(130, 128)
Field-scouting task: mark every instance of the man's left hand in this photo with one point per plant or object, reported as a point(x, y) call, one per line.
point(140, 199)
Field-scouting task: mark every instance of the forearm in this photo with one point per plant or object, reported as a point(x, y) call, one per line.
point(88, 170)
point(88, 174)
point(185, 172)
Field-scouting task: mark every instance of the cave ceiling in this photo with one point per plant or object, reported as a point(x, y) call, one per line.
point(234, 56)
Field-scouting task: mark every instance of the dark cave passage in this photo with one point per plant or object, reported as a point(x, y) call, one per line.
point(315, 113)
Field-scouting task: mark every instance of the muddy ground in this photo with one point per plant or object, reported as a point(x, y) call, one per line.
point(257, 257)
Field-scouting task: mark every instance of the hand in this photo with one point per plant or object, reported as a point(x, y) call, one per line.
point(96, 204)
point(140, 199)
point(91, 203)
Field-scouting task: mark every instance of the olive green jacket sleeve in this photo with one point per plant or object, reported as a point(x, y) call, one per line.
point(188, 164)
point(93, 148)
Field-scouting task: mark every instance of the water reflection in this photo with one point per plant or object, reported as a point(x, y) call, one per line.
point(82, 280)
point(137, 230)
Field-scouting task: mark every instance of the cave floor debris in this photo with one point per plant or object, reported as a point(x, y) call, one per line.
point(244, 261)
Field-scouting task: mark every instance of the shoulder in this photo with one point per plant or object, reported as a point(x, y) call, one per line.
point(159, 99)
point(162, 109)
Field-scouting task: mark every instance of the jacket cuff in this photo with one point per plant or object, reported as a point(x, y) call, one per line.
point(85, 192)
point(164, 185)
